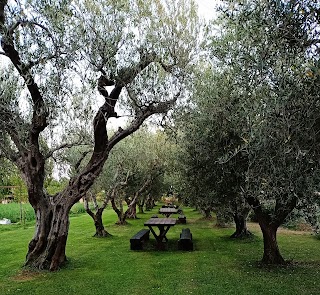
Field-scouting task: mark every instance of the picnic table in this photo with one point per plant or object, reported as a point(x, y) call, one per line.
point(163, 224)
point(168, 211)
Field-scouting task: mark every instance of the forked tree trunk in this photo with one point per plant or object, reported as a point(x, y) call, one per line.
point(269, 224)
point(207, 213)
point(121, 220)
point(271, 252)
point(98, 223)
point(149, 203)
point(121, 215)
point(131, 213)
point(241, 226)
point(47, 247)
point(97, 216)
point(140, 206)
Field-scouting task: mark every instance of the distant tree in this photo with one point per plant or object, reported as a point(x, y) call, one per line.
point(136, 166)
point(207, 133)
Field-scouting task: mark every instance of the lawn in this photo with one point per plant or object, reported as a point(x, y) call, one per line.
point(107, 266)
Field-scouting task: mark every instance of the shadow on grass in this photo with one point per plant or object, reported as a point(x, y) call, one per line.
point(242, 240)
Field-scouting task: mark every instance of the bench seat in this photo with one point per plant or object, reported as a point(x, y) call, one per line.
point(185, 242)
point(182, 219)
point(137, 241)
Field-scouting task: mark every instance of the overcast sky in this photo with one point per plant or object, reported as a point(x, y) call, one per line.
point(207, 8)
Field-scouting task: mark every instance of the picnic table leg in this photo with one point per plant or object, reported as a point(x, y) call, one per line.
point(153, 232)
point(163, 232)
point(161, 239)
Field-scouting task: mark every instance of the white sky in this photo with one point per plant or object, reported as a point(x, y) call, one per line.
point(207, 8)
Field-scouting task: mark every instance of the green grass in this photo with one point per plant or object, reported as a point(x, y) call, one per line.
point(107, 266)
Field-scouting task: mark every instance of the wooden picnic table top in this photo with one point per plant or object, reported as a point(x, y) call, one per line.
point(160, 221)
point(168, 210)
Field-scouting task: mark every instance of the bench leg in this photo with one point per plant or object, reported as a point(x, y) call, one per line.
point(136, 245)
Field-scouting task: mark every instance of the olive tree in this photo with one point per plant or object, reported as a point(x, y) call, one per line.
point(60, 52)
point(273, 49)
point(207, 134)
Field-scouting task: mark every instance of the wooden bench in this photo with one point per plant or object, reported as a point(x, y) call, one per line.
point(154, 216)
point(185, 241)
point(136, 242)
point(182, 219)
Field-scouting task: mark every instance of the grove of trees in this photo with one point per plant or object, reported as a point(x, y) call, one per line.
point(237, 99)
point(257, 109)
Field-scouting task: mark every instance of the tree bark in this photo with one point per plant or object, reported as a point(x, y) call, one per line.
point(97, 216)
point(120, 213)
point(98, 223)
point(269, 224)
point(141, 205)
point(240, 219)
point(271, 252)
point(47, 248)
point(131, 213)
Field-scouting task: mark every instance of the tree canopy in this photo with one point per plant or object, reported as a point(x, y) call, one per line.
point(62, 57)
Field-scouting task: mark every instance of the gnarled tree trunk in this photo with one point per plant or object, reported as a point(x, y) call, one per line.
point(97, 216)
point(98, 223)
point(271, 252)
point(47, 247)
point(121, 215)
point(141, 205)
point(240, 219)
point(131, 212)
point(269, 224)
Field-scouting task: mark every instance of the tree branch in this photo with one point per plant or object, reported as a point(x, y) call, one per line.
point(9, 123)
point(283, 209)
point(111, 194)
point(138, 193)
point(77, 165)
point(63, 146)
point(41, 60)
point(27, 22)
point(158, 108)
point(127, 75)
point(8, 153)
point(40, 113)
point(3, 3)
